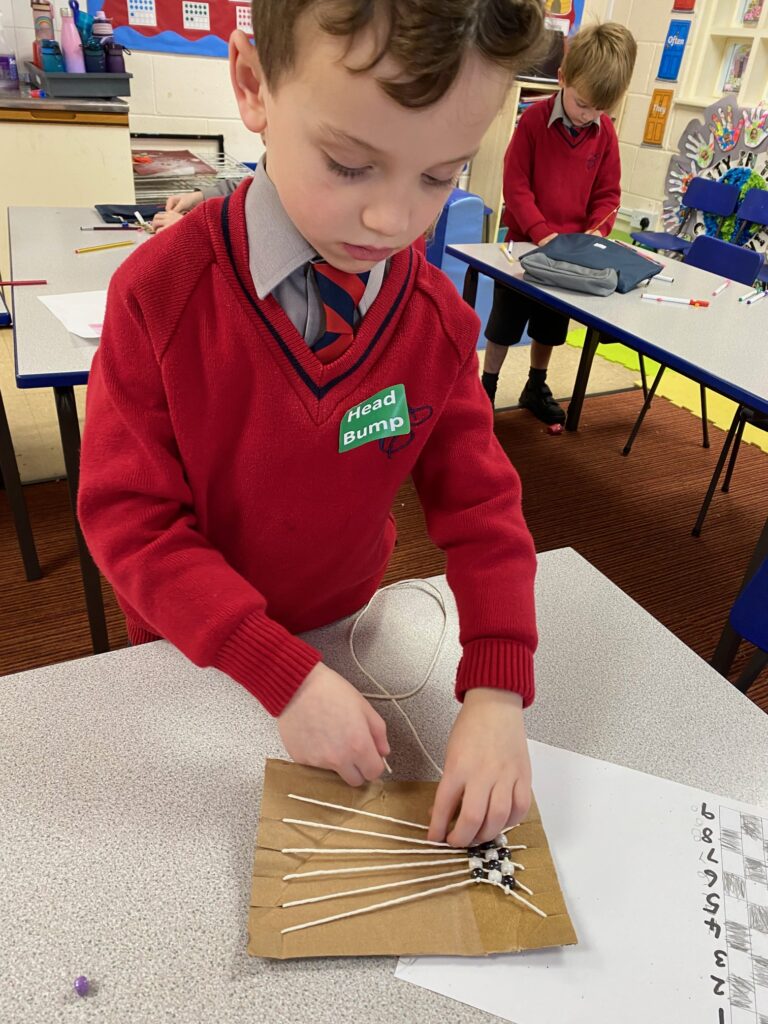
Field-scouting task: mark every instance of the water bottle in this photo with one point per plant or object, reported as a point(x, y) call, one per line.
point(102, 28)
point(71, 44)
point(9, 74)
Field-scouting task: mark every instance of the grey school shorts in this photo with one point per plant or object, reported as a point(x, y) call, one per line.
point(512, 311)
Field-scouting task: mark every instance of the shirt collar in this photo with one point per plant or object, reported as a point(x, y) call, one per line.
point(276, 248)
point(558, 111)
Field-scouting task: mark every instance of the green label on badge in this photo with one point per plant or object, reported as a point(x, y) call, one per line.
point(384, 414)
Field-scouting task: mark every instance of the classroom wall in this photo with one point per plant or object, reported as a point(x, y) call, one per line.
point(169, 93)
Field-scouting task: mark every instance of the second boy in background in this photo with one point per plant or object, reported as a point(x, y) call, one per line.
point(562, 174)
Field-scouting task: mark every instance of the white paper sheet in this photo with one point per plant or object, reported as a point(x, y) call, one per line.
point(667, 887)
point(82, 313)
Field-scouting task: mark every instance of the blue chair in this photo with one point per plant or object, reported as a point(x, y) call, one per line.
point(461, 222)
point(728, 260)
point(749, 619)
point(703, 195)
point(752, 213)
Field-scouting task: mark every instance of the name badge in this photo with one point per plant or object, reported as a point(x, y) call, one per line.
point(384, 414)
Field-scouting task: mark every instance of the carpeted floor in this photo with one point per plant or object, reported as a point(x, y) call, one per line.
point(630, 517)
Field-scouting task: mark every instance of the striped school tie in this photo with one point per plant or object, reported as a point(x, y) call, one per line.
point(341, 294)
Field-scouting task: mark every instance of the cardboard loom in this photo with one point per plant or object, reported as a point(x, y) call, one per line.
point(473, 921)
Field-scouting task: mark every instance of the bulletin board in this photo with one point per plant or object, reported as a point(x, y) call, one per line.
point(193, 27)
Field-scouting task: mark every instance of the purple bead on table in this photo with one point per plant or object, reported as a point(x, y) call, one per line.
point(81, 985)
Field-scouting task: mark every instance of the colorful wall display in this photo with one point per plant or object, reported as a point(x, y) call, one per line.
point(674, 47)
point(195, 27)
point(658, 112)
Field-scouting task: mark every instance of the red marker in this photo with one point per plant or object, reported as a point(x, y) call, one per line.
point(673, 298)
point(17, 284)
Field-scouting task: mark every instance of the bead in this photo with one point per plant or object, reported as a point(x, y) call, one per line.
point(478, 873)
point(81, 985)
point(492, 864)
point(508, 881)
point(473, 851)
point(495, 877)
point(475, 862)
point(502, 852)
point(507, 867)
point(500, 840)
point(490, 845)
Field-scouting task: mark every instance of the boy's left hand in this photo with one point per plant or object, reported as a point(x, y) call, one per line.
point(487, 770)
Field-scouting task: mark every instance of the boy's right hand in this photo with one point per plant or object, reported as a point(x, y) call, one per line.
point(183, 202)
point(548, 238)
point(328, 724)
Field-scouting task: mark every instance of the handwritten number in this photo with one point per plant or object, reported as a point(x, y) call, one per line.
point(711, 877)
point(713, 926)
point(706, 835)
point(720, 957)
point(713, 903)
point(719, 983)
point(709, 815)
point(711, 856)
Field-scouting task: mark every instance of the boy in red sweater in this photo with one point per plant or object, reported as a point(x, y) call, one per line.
point(562, 174)
point(275, 367)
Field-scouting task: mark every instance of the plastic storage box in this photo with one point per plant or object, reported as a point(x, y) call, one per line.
point(60, 85)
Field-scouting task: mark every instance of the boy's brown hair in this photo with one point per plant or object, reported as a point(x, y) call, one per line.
point(428, 39)
point(598, 63)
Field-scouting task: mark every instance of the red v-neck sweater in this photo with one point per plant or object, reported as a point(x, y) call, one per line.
point(555, 183)
point(212, 492)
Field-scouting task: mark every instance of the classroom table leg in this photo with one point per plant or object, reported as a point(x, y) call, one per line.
point(470, 287)
point(591, 341)
point(69, 428)
point(10, 475)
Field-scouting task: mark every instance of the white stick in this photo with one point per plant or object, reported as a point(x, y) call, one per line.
point(721, 288)
point(361, 832)
point(511, 892)
point(380, 906)
point(668, 298)
point(525, 888)
point(665, 278)
point(354, 810)
point(386, 765)
point(363, 851)
point(756, 298)
point(374, 888)
point(395, 866)
point(748, 295)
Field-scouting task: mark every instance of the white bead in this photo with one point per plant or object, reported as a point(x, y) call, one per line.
point(495, 877)
point(475, 862)
point(507, 867)
point(501, 839)
point(491, 854)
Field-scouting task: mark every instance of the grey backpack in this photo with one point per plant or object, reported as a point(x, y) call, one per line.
point(587, 263)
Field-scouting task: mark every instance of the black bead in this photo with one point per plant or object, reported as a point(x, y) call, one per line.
point(474, 851)
point(490, 845)
point(492, 865)
point(502, 852)
point(509, 882)
point(478, 873)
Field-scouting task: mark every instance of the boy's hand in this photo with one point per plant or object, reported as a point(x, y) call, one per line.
point(328, 724)
point(165, 219)
point(183, 202)
point(487, 770)
point(548, 238)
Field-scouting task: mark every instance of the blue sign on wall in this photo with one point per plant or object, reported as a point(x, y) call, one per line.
point(674, 46)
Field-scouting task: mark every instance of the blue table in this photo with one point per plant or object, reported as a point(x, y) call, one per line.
point(722, 347)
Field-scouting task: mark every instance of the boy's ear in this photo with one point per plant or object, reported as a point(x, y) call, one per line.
point(247, 78)
point(560, 79)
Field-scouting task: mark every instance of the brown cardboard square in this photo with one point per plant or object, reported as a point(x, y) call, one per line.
point(471, 921)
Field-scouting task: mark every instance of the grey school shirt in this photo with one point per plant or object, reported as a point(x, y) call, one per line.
point(280, 261)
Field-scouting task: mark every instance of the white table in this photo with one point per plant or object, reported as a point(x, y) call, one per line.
point(130, 787)
point(43, 240)
point(723, 347)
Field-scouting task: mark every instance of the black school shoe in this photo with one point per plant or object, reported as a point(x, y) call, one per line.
point(537, 398)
